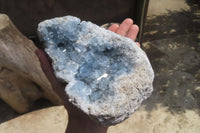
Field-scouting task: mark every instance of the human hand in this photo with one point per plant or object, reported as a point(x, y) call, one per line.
point(78, 121)
point(127, 29)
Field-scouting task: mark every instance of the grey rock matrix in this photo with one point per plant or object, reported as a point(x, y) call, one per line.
point(108, 75)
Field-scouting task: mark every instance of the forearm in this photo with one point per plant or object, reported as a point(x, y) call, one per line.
point(84, 126)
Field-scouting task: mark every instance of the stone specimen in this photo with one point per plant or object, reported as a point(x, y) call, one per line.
point(108, 75)
point(22, 80)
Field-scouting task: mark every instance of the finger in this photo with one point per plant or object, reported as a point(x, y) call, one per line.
point(113, 27)
point(124, 27)
point(133, 31)
point(46, 66)
point(138, 44)
point(49, 72)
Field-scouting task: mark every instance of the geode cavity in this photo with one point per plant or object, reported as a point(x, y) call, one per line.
point(108, 75)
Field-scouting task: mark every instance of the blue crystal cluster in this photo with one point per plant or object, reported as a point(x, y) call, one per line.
point(90, 63)
point(108, 75)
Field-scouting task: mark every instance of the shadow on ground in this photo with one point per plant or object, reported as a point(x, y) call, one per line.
point(173, 46)
point(173, 23)
point(7, 113)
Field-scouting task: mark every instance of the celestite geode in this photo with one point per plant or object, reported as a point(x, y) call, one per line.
point(108, 75)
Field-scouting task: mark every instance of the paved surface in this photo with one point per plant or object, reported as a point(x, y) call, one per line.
point(172, 42)
point(163, 22)
point(162, 7)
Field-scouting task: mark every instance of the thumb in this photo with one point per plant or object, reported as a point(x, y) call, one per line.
point(46, 66)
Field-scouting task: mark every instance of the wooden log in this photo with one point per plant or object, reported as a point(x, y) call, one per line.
point(17, 53)
point(17, 91)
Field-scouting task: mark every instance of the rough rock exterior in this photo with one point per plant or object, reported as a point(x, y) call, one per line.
point(108, 75)
point(22, 80)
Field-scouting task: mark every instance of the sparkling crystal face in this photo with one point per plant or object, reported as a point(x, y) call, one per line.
point(90, 65)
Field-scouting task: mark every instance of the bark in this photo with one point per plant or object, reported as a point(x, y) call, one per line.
point(17, 53)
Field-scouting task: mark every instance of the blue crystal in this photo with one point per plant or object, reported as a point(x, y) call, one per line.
point(106, 73)
point(97, 61)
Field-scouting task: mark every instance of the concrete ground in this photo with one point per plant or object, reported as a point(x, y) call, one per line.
point(172, 43)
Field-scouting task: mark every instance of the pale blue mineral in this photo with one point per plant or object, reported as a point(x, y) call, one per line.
point(108, 75)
